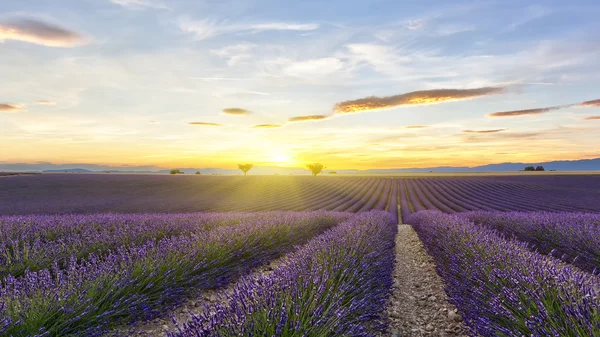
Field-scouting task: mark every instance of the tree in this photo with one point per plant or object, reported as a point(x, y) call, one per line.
point(245, 167)
point(529, 168)
point(176, 171)
point(315, 168)
point(198, 172)
point(539, 168)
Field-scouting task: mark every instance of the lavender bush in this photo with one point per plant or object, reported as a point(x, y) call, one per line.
point(573, 237)
point(336, 285)
point(504, 289)
point(139, 281)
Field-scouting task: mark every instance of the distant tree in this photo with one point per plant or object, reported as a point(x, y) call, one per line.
point(539, 168)
point(198, 173)
point(529, 168)
point(332, 172)
point(245, 167)
point(315, 168)
point(176, 171)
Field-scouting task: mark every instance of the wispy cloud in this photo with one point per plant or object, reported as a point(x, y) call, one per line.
point(308, 118)
point(207, 28)
point(592, 118)
point(236, 111)
point(416, 126)
point(594, 103)
point(526, 112)
point(36, 31)
point(267, 126)
point(538, 111)
point(10, 107)
point(415, 24)
point(204, 124)
point(413, 98)
point(139, 4)
point(484, 131)
point(235, 54)
point(45, 102)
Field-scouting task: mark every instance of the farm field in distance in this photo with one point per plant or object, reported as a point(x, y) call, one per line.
point(179, 256)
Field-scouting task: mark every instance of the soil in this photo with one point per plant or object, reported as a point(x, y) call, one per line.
point(418, 305)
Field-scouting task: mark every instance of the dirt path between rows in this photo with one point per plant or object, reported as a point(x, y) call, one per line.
point(418, 305)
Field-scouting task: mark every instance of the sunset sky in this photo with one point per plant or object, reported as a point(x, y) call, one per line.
point(351, 84)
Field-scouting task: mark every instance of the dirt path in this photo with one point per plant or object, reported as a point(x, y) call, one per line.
point(419, 306)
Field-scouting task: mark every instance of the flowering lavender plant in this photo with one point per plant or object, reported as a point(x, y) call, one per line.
point(336, 285)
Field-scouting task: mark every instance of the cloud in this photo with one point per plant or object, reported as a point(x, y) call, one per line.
point(538, 111)
point(10, 107)
point(588, 104)
point(415, 24)
point(154, 122)
point(204, 124)
point(308, 118)
point(236, 111)
point(138, 4)
point(526, 112)
point(33, 30)
point(484, 131)
point(267, 126)
point(206, 28)
point(45, 102)
point(592, 118)
point(416, 126)
point(413, 98)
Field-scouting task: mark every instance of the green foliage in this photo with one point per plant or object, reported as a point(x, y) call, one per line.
point(539, 168)
point(176, 171)
point(198, 173)
point(315, 168)
point(529, 168)
point(245, 167)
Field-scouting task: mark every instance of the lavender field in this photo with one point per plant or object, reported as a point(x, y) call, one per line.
point(99, 255)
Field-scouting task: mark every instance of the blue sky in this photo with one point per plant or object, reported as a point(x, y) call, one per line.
point(143, 82)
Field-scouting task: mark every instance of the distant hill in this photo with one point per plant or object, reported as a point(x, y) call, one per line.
point(559, 165)
point(73, 170)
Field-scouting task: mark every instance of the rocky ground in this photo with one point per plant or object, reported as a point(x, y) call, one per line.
point(419, 306)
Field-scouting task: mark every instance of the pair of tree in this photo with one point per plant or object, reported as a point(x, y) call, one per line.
point(537, 168)
point(315, 168)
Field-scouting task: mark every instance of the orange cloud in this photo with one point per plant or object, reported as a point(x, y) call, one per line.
point(308, 118)
point(592, 118)
point(39, 32)
point(9, 107)
point(422, 97)
point(204, 124)
point(594, 103)
point(416, 126)
point(484, 131)
point(45, 102)
point(236, 111)
point(267, 126)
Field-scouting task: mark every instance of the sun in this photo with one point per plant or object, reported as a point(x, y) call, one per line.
point(280, 158)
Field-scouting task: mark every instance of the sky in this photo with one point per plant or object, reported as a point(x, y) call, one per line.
point(348, 83)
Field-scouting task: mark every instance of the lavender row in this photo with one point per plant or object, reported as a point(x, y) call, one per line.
point(337, 285)
point(37, 242)
point(139, 282)
point(573, 237)
point(504, 289)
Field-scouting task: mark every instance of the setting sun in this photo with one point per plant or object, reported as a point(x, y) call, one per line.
point(280, 158)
